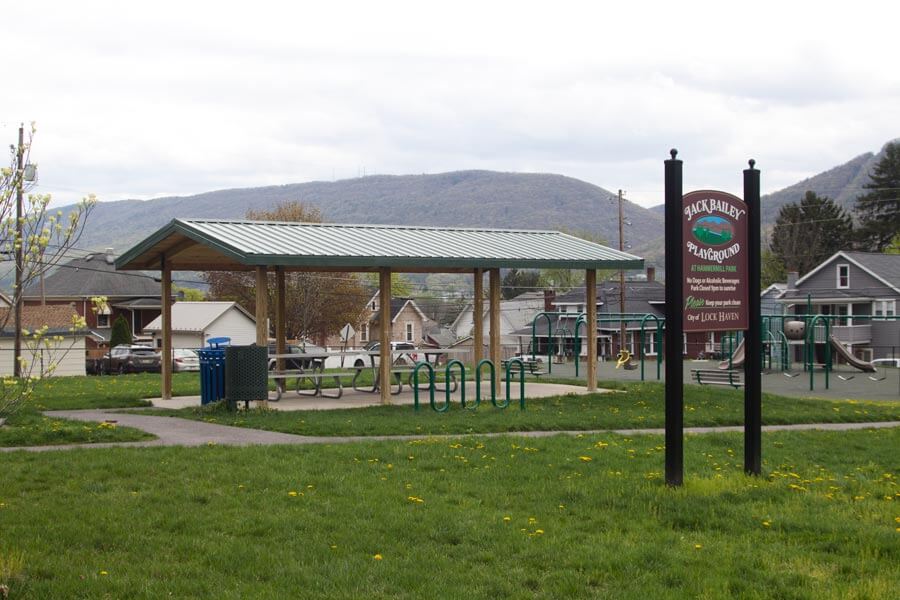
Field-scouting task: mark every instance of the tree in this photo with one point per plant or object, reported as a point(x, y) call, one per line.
point(517, 282)
point(317, 304)
point(879, 210)
point(807, 233)
point(121, 332)
point(35, 240)
point(188, 294)
point(772, 270)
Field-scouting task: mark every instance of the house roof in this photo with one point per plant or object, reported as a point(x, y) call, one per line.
point(201, 244)
point(397, 306)
point(640, 297)
point(93, 275)
point(196, 316)
point(57, 318)
point(884, 267)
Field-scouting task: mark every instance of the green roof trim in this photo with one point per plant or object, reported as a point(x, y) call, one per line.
point(341, 246)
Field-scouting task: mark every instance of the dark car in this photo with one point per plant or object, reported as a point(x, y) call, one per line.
point(299, 362)
point(132, 358)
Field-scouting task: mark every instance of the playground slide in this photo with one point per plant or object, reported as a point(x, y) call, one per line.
point(737, 359)
point(847, 356)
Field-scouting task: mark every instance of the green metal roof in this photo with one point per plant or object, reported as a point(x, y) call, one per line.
point(229, 244)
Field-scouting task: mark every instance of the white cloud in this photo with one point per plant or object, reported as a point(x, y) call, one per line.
point(144, 100)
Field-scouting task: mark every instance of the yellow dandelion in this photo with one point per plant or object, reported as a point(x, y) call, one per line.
point(377, 557)
point(506, 519)
point(104, 573)
point(292, 493)
point(585, 458)
point(697, 546)
point(539, 531)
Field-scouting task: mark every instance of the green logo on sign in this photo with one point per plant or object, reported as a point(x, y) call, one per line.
point(713, 231)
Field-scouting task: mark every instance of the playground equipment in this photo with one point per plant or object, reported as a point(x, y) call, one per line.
point(849, 358)
point(624, 360)
point(736, 360)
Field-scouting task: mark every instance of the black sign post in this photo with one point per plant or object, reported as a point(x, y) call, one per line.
point(674, 301)
point(753, 339)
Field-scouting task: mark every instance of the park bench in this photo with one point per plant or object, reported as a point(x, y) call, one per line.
point(532, 367)
point(717, 377)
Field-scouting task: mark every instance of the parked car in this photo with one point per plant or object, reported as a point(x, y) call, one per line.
point(184, 359)
point(131, 358)
point(886, 362)
point(408, 354)
point(299, 362)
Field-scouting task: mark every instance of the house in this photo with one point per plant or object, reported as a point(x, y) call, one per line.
point(193, 323)
point(515, 314)
point(643, 297)
point(133, 295)
point(61, 345)
point(862, 289)
point(408, 323)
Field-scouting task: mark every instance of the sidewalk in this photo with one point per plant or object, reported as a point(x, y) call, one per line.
point(173, 431)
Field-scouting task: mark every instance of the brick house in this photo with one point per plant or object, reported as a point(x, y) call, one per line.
point(133, 295)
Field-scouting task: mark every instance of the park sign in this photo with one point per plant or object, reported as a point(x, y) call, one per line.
point(715, 252)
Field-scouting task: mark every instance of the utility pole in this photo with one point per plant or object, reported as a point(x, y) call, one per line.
point(621, 272)
point(18, 242)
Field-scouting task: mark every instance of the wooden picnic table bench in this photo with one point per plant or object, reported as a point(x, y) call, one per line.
point(717, 377)
point(532, 367)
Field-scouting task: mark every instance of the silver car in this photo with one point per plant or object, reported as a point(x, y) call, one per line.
point(184, 359)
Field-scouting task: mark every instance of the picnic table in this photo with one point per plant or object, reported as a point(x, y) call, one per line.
point(532, 366)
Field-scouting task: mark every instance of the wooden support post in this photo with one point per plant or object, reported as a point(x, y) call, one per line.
point(384, 325)
point(496, 356)
point(166, 304)
point(478, 317)
point(262, 307)
point(280, 342)
point(590, 288)
point(262, 314)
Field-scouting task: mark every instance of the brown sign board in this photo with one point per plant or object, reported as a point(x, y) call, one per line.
point(715, 251)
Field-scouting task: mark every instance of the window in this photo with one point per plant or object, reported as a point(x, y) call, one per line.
point(884, 308)
point(843, 276)
point(102, 320)
point(649, 343)
point(364, 333)
point(409, 332)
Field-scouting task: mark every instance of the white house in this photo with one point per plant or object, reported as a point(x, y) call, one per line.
point(195, 322)
point(515, 314)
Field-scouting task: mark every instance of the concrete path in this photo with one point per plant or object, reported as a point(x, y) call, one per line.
point(174, 431)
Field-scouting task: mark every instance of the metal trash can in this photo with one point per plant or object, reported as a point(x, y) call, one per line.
point(246, 374)
point(212, 370)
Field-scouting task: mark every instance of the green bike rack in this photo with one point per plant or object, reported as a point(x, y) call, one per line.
point(488, 363)
point(428, 366)
point(549, 339)
point(509, 366)
point(462, 383)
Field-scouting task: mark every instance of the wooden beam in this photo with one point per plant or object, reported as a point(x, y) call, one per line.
point(496, 356)
point(478, 317)
point(280, 303)
point(166, 316)
point(262, 314)
point(262, 307)
point(590, 288)
point(384, 325)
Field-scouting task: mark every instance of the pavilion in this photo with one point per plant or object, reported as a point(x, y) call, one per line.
point(266, 246)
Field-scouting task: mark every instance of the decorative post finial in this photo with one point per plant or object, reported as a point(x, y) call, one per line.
point(673, 152)
point(752, 163)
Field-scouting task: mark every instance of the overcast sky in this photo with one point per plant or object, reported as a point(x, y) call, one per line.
point(146, 99)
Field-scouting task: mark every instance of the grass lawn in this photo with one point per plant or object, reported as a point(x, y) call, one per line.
point(640, 406)
point(561, 517)
point(29, 427)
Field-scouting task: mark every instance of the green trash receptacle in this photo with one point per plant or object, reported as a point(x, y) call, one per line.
point(246, 374)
